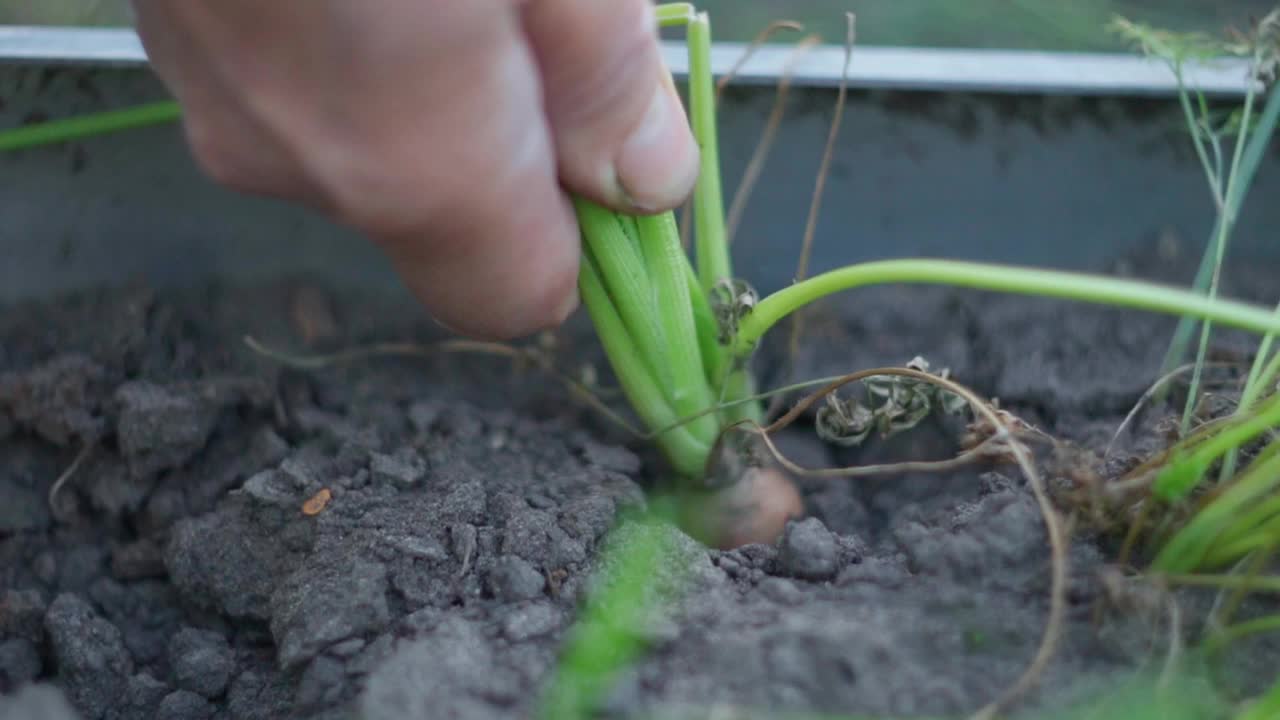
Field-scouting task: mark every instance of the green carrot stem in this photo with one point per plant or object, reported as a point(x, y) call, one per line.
point(1267, 623)
point(1187, 549)
point(738, 385)
point(1262, 376)
point(1000, 278)
point(685, 452)
point(623, 273)
point(664, 257)
point(711, 245)
point(1186, 469)
point(674, 14)
point(1263, 583)
point(1225, 553)
point(1232, 201)
point(85, 126)
point(704, 320)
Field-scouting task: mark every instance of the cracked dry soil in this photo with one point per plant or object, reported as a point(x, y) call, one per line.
point(411, 537)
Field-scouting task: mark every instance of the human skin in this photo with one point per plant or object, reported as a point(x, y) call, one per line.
point(447, 132)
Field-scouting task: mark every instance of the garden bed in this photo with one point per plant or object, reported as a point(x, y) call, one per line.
point(411, 537)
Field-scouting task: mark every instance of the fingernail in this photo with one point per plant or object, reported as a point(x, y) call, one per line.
point(658, 164)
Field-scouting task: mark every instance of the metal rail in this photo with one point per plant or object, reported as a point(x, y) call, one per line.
point(1001, 71)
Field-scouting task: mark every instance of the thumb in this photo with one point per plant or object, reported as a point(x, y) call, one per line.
point(621, 135)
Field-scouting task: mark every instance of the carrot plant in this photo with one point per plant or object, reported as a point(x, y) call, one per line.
point(646, 296)
point(680, 332)
point(1229, 175)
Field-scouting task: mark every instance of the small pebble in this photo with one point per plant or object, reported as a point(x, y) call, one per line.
point(347, 648)
point(404, 469)
point(184, 705)
point(530, 622)
point(19, 663)
point(513, 578)
point(418, 547)
point(201, 661)
point(808, 551)
point(321, 683)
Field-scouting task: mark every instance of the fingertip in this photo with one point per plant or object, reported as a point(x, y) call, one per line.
point(621, 134)
point(658, 163)
point(525, 282)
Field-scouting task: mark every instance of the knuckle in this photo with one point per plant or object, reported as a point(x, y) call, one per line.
point(369, 190)
point(590, 93)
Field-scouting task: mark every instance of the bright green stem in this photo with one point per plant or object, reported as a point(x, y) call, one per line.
point(1243, 180)
point(713, 353)
point(622, 269)
point(1231, 633)
point(1226, 552)
point(1001, 278)
point(1262, 373)
point(1187, 325)
point(674, 14)
point(1181, 475)
point(664, 257)
point(85, 126)
point(1186, 551)
point(708, 203)
point(1261, 376)
point(1263, 584)
point(604, 641)
point(1227, 221)
point(685, 452)
point(741, 384)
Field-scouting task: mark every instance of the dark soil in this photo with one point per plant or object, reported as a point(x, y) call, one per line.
point(411, 537)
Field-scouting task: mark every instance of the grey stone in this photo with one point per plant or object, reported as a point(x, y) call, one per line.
point(807, 550)
point(201, 661)
point(142, 697)
point(326, 602)
point(321, 684)
point(184, 705)
point(402, 470)
point(531, 621)
point(513, 578)
point(445, 674)
point(161, 427)
point(90, 654)
point(19, 663)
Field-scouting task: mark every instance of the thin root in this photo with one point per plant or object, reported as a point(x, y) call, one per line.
point(408, 349)
point(986, 451)
point(1151, 392)
point(1176, 645)
point(756, 43)
point(67, 474)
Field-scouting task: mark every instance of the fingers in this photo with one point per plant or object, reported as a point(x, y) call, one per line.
point(228, 143)
point(621, 135)
point(419, 124)
point(455, 174)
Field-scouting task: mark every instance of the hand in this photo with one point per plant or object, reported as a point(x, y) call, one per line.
point(445, 130)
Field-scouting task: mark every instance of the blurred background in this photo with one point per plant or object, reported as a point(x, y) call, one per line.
point(1067, 25)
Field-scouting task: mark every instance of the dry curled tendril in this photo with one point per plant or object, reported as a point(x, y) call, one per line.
point(732, 300)
point(893, 404)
